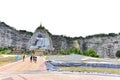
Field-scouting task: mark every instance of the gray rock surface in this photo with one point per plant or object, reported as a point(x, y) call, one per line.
point(59, 42)
point(40, 40)
point(104, 46)
point(12, 37)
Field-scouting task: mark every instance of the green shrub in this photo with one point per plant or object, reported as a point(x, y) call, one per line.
point(118, 54)
point(91, 52)
point(62, 52)
point(70, 51)
point(5, 50)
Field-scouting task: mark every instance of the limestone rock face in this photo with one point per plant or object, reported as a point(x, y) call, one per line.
point(104, 46)
point(59, 42)
point(40, 40)
point(11, 37)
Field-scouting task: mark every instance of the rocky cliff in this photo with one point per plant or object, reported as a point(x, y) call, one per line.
point(106, 46)
point(12, 37)
point(40, 40)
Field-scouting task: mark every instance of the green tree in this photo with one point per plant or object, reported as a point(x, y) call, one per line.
point(91, 52)
point(112, 34)
point(118, 54)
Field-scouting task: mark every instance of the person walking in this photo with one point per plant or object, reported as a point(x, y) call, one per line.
point(31, 58)
point(23, 57)
point(35, 59)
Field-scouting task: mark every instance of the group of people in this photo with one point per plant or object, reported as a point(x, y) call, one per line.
point(33, 58)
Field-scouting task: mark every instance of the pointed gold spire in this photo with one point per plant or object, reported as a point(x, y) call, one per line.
point(41, 24)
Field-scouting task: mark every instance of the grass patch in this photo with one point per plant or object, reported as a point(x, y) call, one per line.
point(6, 60)
point(91, 69)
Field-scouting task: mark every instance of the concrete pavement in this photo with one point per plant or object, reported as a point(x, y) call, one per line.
point(37, 71)
point(55, 76)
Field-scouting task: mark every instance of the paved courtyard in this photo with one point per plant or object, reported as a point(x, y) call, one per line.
point(24, 65)
point(37, 71)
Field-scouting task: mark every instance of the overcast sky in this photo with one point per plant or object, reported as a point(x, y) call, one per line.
point(63, 17)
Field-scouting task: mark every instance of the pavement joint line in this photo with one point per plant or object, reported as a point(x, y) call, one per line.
point(22, 77)
point(9, 78)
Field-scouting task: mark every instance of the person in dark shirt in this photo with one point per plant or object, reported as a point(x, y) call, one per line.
point(31, 58)
point(23, 57)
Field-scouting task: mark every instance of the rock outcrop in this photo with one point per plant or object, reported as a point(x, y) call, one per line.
point(40, 40)
point(59, 42)
point(106, 46)
point(12, 37)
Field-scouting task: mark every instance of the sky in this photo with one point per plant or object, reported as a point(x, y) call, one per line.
point(72, 18)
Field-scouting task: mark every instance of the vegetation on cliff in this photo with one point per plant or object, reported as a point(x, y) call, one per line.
point(5, 50)
point(118, 54)
point(90, 52)
point(26, 32)
point(89, 36)
point(43, 28)
point(102, 35)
